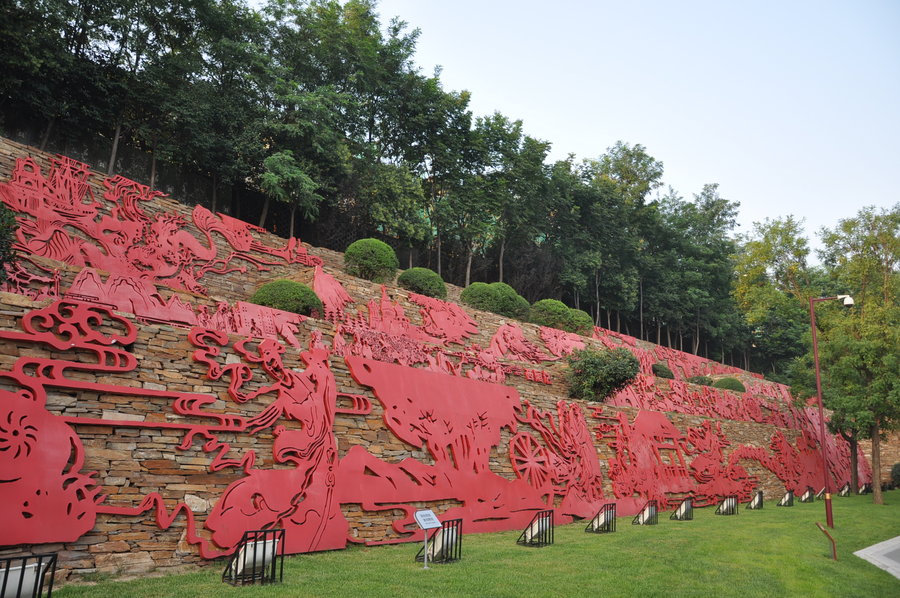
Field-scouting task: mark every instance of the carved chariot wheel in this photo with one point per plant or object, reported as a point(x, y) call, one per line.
point(531, 461)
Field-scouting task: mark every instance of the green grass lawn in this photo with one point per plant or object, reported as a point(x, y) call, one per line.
point(775, 552)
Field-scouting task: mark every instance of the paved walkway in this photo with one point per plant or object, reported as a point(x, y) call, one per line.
point(885, 555)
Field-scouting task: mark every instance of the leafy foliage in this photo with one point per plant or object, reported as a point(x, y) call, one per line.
point(7, 238)
point(496, 297)
point(288, 295)
point(661, 370)
point(556, 314)
point(729, 383)
point(583, 322)
point(895, 475)
point(423, 281)
point(371, 259)
point(595, 375)
point(701, 380)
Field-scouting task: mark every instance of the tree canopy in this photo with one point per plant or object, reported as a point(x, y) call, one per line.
point(320, 106)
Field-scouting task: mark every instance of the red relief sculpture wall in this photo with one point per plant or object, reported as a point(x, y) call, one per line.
point(59, 218)
point(474, 443)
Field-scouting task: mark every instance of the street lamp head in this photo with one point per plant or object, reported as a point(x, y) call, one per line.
point(846, 299)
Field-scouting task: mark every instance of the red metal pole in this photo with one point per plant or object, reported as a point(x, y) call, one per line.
point(812, 317)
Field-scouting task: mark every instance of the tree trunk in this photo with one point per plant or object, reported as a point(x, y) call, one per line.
point(618, 323)
point(502, 251)
point(45, 138)
point(696, 340)
point(115, 148)
point(409, 265)
point(293, 219)
point(152, 169)
point(438, 246)
point(265, 212)
point(877, 498)
point(854, 462)
point(469, 265)
point(641, 308)
point(669, 336)
point(658, 333)
point(215, 181)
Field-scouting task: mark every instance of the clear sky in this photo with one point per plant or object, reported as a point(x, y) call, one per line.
point(793, 107)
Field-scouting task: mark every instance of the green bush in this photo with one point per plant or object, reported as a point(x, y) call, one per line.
point(730, 384)
point(584, 323)
point(509, 302)
point(289, 296)
point(661, 370)
point(7, 238)
point(423, 281)
point(895, 475)
point(371, 259)
point(552, 313)
point(556, 314)
point(595, 375)
point(497, 297)
point(702, 380)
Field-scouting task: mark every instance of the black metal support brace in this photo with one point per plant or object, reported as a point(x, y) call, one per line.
point(259, 557)
point(728, 506)
point(649, 515)
point(604, 522)
point(27, 576)
point(539, 532)
point(756, 502)
point(684, 512)
point(444, 544)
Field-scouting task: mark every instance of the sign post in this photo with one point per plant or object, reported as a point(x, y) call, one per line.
point(427, 520)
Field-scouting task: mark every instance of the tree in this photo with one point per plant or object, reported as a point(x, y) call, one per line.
point(861, 349)
point(771, 286)
point(7, 238)
point(284, 179)
point(634, 172)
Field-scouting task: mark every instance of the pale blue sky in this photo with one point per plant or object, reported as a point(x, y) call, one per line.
point(793, 107)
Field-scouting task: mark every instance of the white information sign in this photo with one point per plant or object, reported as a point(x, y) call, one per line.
point(427, 519)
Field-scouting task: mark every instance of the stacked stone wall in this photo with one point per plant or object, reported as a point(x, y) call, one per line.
point(147, 454)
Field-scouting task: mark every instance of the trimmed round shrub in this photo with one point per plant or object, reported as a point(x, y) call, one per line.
point(702, 380)
point(288, 295)
point(497, 297)
point(730, 384)
point(509, 302)
point(478, 295)
point(552, 313)
point(556, 314)
point(661, 370)
point(371, 259)
point(583, 322)
point(595, 375)
point(423, 281)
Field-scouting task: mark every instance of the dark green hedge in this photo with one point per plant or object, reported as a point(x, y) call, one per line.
point(661, 370)
point(497, 297)
point(556, 314)
point(423, 281)
point(371, 259)
point(730, 384)
point(289, 295)
point(595, 375)
point(702, 380)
